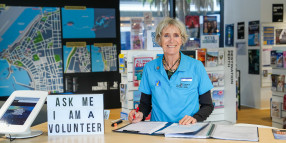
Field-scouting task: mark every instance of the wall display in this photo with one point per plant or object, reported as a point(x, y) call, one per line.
point(280, 36)
point(76, 57)
point(229, 31)
point(30, 45)
point(241, 48)
point(103, 57)
point(193, 26)
point(210, 25)
point(253, 33)
point(268, 35)
point(240, 30)
point(277, 13)
point(88, 23)
point(253, 61)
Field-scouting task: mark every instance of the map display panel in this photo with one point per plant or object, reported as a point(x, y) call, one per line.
point(89, 23)
point(77, 59)
point(104, 58)
point(30, 49)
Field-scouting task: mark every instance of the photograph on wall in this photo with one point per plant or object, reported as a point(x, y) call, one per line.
point(229, 31)
point(210, 25)
point(253, 33)
point(277, 13)
point(240, 30)
point(89, 23)
point(280, 36)
point(31, 50)
point(241, 48)
point(268, 35)
point(253, 61)
point(192, 23)
point(77, 58)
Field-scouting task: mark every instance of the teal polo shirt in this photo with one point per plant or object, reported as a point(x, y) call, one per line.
point(173, 99)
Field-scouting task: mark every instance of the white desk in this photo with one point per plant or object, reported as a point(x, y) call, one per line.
point(265, 136)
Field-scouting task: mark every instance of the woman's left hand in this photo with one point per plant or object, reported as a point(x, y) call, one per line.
point(187, 120)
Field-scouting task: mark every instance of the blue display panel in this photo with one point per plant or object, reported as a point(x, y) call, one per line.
point(104, 58)
point(30, 49)
point(89, 23)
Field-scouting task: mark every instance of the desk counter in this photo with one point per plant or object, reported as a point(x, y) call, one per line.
point(265, 136)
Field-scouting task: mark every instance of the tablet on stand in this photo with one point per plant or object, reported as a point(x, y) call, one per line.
point(19, 112)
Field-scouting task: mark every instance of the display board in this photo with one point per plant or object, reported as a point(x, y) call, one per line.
point(36, 51)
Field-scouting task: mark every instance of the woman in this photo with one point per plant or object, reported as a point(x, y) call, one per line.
point(175, 87)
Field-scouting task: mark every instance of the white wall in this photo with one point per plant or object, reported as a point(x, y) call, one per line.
point(266, 10)
point(245, 11)
point(252, 95)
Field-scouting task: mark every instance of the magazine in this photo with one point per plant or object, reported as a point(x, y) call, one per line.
point(217, 96)
point(139, 63)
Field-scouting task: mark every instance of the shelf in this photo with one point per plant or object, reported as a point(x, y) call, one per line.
point(214, 69)
point(218, 111)
point(280, 71)
point(276, 93)
point(279, 47)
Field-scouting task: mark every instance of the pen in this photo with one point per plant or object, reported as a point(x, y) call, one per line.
point(136, 111)
point(118, 121)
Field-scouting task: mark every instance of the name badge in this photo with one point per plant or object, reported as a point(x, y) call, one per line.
point(186, 79)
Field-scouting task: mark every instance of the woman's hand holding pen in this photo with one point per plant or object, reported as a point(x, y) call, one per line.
point(134, 117)
point(187, 120)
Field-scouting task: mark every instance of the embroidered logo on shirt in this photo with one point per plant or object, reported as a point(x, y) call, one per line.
point(158, 83)
point(182, 85)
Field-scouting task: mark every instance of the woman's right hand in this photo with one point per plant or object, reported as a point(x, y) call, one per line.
point(138, 116)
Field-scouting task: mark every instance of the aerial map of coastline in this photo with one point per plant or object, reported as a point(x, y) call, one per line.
point(103, 58)
point(89, 23)
point(30, 49)
point(77, 59)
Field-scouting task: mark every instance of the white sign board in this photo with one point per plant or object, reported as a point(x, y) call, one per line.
point(209, 41)
point(75, 114)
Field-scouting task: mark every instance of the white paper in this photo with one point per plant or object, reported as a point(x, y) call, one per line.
point(203, 134)
point(176, 128)
point(144, 127)
point(230, 132)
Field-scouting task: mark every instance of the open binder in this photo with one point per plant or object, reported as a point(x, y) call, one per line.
point(160, 128)
point(225, 132)
point(198, 130)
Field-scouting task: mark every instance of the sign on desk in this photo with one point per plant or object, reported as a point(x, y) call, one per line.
point(75, 114)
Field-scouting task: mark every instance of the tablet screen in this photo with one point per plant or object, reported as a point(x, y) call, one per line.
point(19, 110)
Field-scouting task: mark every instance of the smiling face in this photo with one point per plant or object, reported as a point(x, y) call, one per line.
point(171, 40)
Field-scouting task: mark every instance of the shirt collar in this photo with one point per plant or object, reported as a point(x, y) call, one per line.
point(182, 67)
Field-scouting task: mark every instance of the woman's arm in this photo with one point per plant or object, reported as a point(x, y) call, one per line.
point(206, 107)
point(145, 105)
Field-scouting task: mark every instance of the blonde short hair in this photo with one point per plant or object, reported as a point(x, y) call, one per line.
point(170, 21)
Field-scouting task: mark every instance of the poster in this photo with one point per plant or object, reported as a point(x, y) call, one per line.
point(253, 61)
point(277, 13)
point(280, 37)
point(229, 30)
point(240, 30)
point(241, 48)
point(268, 35)
point(193, 26)
point(210, 25)
point(253, 33)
